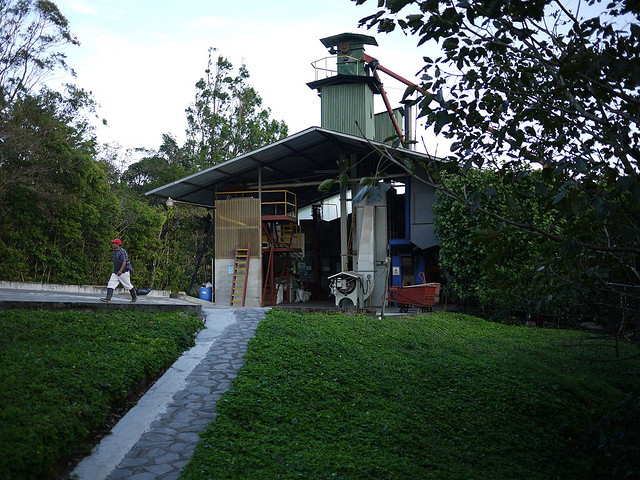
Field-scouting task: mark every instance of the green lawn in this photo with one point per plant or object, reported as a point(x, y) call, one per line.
point(442, 396)
point(61, 373)
point(438, 396)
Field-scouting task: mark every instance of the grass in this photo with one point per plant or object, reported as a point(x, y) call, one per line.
point(62, 373)
point(440, 396)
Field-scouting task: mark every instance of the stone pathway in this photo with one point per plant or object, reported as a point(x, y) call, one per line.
point(162, 445)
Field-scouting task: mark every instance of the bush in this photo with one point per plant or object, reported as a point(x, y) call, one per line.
point(489, 266)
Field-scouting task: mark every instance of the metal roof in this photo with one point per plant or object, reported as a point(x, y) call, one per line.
point(356, 38)
point(298, 163)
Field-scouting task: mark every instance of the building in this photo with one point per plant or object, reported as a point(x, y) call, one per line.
point(264, 252)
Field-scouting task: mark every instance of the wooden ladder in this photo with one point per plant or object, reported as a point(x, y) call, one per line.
point(240, 275)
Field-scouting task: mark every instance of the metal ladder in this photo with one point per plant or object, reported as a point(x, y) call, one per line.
point(285, 233)
point(240, 273)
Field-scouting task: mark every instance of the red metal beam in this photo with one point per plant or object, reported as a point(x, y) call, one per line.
point(376, 66)
point(390, 111)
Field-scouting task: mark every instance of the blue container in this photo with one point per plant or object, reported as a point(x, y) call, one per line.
point(205, 293)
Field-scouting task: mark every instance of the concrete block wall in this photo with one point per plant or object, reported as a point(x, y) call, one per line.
point(83, 289)
point(224, 279)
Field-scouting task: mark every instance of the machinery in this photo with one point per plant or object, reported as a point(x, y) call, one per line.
point(373, 65)
point(353, 288)
point(350, 288)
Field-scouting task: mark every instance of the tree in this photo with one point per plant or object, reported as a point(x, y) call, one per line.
point(55, 202)
point(30, 33)
point(493, 268)
point(226, 118)
point(545, 86)
point(168, 164)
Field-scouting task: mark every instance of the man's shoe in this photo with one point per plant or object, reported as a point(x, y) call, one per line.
point(134, 295)
point(107, 299)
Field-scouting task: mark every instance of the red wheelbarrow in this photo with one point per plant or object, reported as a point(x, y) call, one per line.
point(424, 295)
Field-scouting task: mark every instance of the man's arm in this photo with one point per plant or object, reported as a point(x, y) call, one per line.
point(121, 269)
point(123, 256)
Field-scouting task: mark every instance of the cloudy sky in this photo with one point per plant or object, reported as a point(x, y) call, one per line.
point(142, 58)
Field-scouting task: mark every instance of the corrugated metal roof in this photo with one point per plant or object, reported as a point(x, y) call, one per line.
point(298, 163)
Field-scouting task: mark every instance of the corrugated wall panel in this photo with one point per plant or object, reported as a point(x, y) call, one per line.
point(344, 105)
point(422, 218)
point(384, 125)
point(238, 223)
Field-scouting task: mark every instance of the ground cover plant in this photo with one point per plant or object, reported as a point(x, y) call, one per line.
point(62, 373)
point(436, 396)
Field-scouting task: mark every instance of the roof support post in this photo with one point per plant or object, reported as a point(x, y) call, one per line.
point(260, 186)
point(344, 232)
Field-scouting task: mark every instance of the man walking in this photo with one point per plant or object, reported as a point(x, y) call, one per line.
point(122, 271)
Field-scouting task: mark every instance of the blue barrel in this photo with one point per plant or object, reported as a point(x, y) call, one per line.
point(205, 293)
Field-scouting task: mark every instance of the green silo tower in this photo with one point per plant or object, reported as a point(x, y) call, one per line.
point(347, 95)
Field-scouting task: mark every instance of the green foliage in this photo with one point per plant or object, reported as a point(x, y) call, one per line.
point(139, 225)
point(55, 203)
point(489, 265)
point(545, 86)
point(170, 163)
point(620, 437)
point(227, 118)
point(506, 272)
point(182, 239)
point(63, 372)
point(443, 396)
point(30, 33)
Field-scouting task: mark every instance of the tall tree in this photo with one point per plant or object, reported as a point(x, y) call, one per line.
point(168, 164)
point(543, 85)
point(31, 32)
point(227, 118)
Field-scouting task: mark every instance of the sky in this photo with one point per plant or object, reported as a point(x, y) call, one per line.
point(142, 58)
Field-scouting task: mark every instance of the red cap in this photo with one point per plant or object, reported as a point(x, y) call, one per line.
point(117, 240)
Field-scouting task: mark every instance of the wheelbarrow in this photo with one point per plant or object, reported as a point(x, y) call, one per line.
point(423, 295)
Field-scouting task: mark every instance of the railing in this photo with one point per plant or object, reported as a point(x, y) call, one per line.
point(327, 67)
point(274, 202)
point(279, 203)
